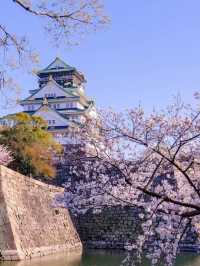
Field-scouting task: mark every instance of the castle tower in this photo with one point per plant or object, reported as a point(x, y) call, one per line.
point(63, 74)
point(59, 99)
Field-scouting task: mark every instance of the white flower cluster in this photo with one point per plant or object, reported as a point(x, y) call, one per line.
point(149, 162)
point(5, 156)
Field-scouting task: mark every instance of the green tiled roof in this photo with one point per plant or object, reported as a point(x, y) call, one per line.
point(56, 66)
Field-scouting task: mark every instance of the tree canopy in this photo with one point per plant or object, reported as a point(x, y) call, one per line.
point(32, 146)
point(148, 161)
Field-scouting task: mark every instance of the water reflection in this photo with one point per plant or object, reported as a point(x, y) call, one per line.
point(59, 259)
point(103, 258)
point(188, 259)
point(95, 258)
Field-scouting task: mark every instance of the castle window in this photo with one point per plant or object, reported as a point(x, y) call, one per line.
point(56, 106)
point(70, 105)
point(51, 122)
point(50, 95)
point(30, 107)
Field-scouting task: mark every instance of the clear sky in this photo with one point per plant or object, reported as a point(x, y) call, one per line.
point(150, 52)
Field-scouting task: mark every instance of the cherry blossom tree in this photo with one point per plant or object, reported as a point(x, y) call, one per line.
point(5, 155)
point(147, 161)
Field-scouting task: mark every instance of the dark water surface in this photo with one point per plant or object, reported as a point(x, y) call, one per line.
point(95, 258)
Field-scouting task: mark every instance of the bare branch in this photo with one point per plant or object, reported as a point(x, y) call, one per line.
point(53, 15)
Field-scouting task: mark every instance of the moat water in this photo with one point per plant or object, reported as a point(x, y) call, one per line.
point(95, 258)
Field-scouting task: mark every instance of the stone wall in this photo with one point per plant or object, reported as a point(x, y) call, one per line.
point(114, 226)
point(30, 225)
point(110, 228)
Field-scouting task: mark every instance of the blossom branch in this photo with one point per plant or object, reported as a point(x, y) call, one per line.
point(51, 14)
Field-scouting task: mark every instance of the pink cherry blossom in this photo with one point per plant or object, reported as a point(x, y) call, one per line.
point(5, 156)
point(151, 162)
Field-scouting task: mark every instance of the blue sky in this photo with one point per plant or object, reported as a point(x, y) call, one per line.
point(149, 52)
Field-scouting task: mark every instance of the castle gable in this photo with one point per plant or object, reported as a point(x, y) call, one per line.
point(50, 90)
point(52, 117)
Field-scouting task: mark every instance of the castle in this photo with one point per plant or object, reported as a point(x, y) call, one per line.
point(60, 99)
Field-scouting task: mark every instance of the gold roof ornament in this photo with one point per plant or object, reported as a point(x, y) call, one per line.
point(50, 78)
point(45, 101)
